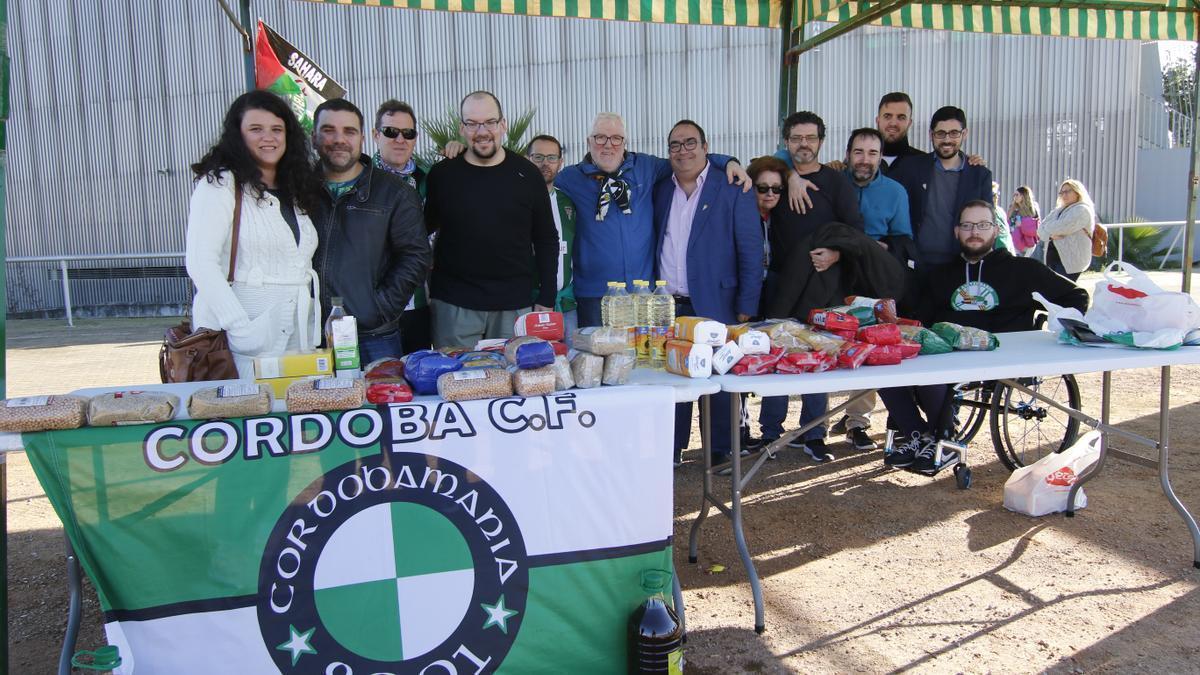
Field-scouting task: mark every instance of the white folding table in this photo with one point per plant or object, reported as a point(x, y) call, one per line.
point(1020, 355)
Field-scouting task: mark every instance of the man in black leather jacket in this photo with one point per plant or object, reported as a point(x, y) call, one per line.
point(372, 248)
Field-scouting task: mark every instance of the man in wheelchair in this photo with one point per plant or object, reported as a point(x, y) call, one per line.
point(987, 288)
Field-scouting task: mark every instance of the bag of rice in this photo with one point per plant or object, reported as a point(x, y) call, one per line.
point(601, 341)
point(230, 400)
point(131, 407)
point(563, 379)
point(587, 369)
point(533, 381)
point(617, 368)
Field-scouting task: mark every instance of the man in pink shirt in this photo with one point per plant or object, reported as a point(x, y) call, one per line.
point(709, 252)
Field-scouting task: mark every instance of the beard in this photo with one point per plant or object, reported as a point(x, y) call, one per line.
point(334, 166)
point(976, 248)
point(947, 150)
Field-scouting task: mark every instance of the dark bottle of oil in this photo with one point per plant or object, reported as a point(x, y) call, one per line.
point(655, 634)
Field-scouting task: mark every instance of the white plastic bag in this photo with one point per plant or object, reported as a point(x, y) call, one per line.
point(1042, 487)
point(1136, 311)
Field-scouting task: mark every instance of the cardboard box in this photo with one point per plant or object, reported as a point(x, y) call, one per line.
point(319, 362)
point(279, 385)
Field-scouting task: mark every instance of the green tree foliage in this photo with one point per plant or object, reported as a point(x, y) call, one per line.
point(445, 128)
point(1178, 80)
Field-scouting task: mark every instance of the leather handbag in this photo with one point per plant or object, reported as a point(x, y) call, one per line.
point(199, 355)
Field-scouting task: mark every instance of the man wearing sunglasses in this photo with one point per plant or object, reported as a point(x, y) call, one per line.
point(938, 186)
point(395, 136)
point(372, 249)
point(983, 287)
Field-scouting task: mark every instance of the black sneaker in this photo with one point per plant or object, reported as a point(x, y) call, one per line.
point(815, 449)
point(751, 443)
point(903, 454)
point(860, 440)
point(926, 455)
point(839, 428)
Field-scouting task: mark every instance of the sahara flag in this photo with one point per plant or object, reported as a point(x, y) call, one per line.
point(281, 68)
point(505, 535)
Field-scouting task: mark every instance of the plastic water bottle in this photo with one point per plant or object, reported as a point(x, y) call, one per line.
point(641, 314)
point(655, 634)
point(606, 318)
point(661, 310)
point(622, 315)
point(338, 311)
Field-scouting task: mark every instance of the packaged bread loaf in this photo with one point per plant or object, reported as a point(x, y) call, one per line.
point(471, 385)
point(131, 407)
point(42, 413)
point(324, 394)
point(230, 400)
point(533, 381)
point(617, 368)
point(587, 369)
point(563, 379)
point(700, 330)
point(688, 359)
point(601, 341)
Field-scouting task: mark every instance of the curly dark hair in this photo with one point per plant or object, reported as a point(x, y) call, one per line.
point(296, 178)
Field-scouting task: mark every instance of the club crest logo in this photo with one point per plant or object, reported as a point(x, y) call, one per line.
point(393, 563)
point(974, 296)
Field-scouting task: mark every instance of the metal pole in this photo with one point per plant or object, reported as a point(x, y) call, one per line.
point(787, 70)
point(249, 56)
point(1193, 171)
point(66, 286)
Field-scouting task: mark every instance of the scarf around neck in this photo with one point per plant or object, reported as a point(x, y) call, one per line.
point(613, 190)
point(405, 172)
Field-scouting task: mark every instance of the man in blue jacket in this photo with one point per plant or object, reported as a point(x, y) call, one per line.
point(938, 186)
point(709, 251)
point(612, 189)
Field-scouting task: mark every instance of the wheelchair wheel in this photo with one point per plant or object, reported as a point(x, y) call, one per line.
point(1024, 429)
point(971, 403)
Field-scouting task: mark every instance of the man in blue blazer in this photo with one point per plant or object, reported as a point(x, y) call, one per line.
point(709, 252)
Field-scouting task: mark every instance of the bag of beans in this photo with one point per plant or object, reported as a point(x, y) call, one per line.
point(42, 413)
point(230, 400)
point(131, 407)
point(325, 394)
point(472, 385)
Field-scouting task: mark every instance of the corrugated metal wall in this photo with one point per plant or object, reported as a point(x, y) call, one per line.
point(112, 99)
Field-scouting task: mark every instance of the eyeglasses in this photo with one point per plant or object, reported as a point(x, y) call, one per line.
point(472, 127)
point(763, 189)
point(538, 158)
point(679, 146)
point(602, 140)
point(803, 139)
point(953, 135)
point(1066, 191)
point(392, 132)
point(981, 226)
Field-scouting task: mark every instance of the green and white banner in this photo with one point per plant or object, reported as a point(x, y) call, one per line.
point(507, 535)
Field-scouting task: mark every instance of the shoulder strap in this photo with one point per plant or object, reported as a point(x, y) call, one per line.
point(237, 226)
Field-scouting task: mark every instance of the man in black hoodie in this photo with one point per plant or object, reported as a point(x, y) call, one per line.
point(988, 289)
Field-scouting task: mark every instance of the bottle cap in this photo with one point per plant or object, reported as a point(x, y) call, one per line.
point(661, 282)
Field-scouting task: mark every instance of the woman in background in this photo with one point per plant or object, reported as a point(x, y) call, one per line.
point(268, 303)
point(1067, 230)
point(1023, 216)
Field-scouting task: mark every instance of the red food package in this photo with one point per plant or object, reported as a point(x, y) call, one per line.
point(909, 322)
point(388, 368)
point(758, 364)
point(880, 334)
point(805, 362)
point(884, 355)
point(545, 325)
point(909, 349)
point(847, 335)
point(854, 354)
point(884, 309)
point(560, 348)
point(389, 392)
point(832, 320)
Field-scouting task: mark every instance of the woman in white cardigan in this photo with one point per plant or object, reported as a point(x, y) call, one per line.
point(272, 304)
point(1067, 230)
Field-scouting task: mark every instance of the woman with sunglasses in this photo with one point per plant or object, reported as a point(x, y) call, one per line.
point(1067, 230)
point(259, 175)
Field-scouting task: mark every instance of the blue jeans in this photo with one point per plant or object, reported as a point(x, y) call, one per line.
point(771, 413)
point(373, 347)
point(813, 406)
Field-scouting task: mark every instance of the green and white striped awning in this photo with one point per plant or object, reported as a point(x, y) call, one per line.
point(755, 13)
point(1113, 19)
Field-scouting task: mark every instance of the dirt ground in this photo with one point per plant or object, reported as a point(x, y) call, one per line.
point(864, 569)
